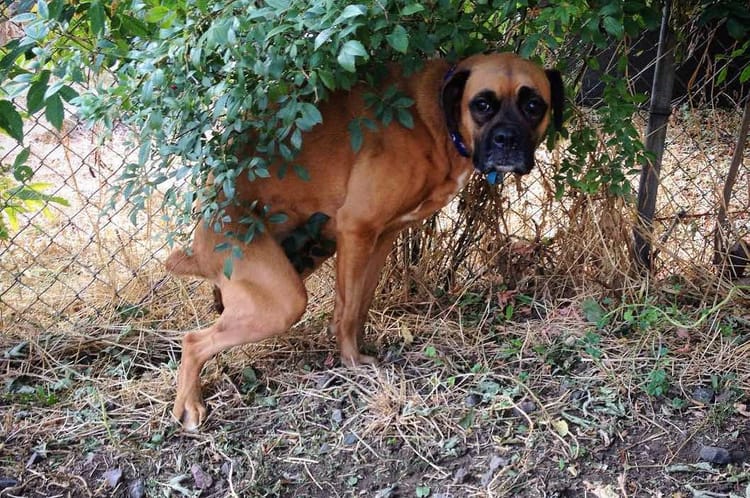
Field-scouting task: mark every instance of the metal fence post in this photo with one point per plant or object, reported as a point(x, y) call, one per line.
point(656, 132)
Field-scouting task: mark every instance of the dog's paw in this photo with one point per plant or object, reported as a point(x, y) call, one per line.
point(190, 413)
point(357, 359)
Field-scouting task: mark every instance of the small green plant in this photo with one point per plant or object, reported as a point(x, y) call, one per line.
point(511, 348)
point(430, 352)
point(561, 356)
point(678, 403)
point(422, 491)
point(728, 326)
point(657, 383)
point(594, 312)
point(18, 196)
point(352, 480)
point(720, 413)
point(590, 343)
point(642, 317)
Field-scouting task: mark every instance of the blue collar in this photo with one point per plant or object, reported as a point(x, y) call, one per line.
point(458, 142)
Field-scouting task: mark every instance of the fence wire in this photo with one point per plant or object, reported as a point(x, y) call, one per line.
point(85, 264)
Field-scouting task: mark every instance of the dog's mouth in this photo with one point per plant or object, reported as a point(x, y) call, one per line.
point(497, 163)
point(503, 149)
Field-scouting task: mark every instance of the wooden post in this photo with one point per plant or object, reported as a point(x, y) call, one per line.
point(723, 226)
point(656, 132)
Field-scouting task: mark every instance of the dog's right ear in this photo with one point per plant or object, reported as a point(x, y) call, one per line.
point(450, 99)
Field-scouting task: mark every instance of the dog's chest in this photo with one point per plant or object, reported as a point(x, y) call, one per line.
point(439, 197)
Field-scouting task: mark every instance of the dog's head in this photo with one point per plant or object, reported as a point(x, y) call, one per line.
point(500, 104)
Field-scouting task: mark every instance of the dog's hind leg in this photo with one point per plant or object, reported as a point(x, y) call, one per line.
point(264, 297)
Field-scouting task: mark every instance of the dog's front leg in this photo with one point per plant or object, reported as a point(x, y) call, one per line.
point(357, 250)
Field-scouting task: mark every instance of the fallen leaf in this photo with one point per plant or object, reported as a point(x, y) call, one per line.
point(600, 490)
point(561, 427)
point(112, 477)
point(202, 479)
point(742, 409)
point(137, 489)
point(406, 334)
point(684, 349)
point(505, 297)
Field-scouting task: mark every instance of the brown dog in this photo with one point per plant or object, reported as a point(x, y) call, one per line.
point(499, 103)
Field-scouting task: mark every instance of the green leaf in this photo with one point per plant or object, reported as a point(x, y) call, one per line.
point(399, 39)
point(278, 218)
point(327, 78)
point(130, 26)
point(422, 491)
point(322, 37)
point(42, 9)
point(296, 139)
point(156, 14)
point(310, 116)
point(722, 76)
point(97, 17)
point(352, 11)
point(228, 267)
point(405, 118)
point(745, 75)
point(14, 49)
point(35, 95)
point(736, 29)
point(348, 54)
point(467, 421)
point(10, 121)
point(592, 310)
point(412, 9)
point(301, 172)
point(356, 137)
point(22, 172)
point(613, 27)
point(54, 111)
point(278, 5)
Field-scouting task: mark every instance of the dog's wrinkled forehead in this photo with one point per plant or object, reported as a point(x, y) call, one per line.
point(504, 75)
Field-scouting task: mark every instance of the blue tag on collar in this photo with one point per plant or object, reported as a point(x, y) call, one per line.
point(494, 177)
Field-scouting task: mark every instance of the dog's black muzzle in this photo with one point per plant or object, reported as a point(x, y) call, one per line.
point(504, 148)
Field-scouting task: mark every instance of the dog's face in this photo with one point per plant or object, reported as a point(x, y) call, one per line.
point(500, 104)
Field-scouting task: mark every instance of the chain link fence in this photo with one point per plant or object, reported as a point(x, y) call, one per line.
point(85, 264)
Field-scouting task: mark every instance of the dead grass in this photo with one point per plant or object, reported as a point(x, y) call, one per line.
point(518, 357)
point(464, 402)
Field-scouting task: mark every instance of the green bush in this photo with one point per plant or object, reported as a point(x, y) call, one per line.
point(192, 77)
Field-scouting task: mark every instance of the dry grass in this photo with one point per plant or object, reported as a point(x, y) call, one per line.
point(553, 404)
point(495, 377)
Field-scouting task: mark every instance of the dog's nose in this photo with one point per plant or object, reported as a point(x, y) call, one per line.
point(504, 136)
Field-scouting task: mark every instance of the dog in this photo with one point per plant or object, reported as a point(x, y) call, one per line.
point(488, 114)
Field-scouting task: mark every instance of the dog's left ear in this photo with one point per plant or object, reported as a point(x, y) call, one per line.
point(557, 93)
point(450, 99)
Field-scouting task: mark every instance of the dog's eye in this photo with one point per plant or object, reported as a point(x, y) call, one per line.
point(535, 107)
point(481, 106)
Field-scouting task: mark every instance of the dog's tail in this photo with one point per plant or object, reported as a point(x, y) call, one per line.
point(182, 263)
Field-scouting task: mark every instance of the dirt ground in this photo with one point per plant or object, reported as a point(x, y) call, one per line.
point(468, 400)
